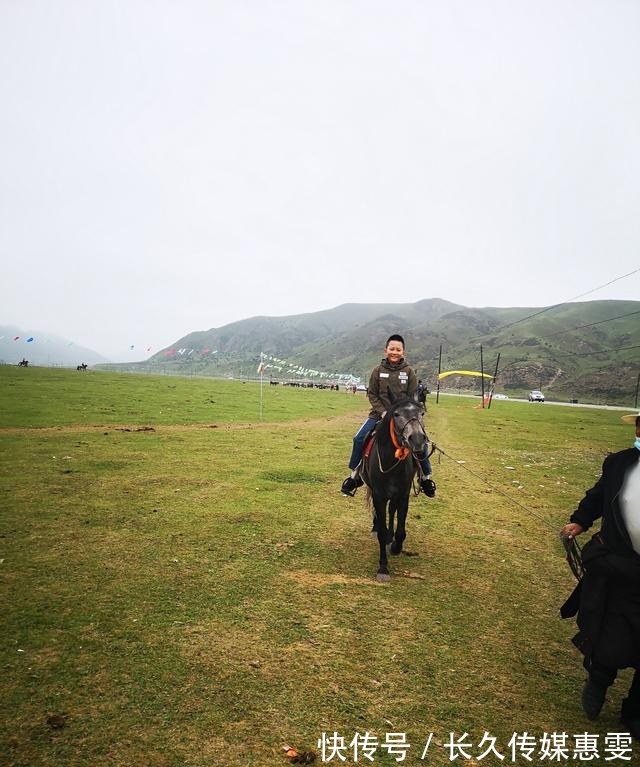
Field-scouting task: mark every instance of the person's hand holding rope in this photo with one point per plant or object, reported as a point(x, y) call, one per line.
point(571, 530)
point(574, 554)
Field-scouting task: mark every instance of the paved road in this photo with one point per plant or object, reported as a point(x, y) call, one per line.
point(622, 408)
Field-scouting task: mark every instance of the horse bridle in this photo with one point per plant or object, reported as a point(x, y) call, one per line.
point(403, 442)
point(403, 430)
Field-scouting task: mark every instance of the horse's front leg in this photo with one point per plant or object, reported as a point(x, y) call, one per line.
point(380, 505)
point(401, 533)
point(392, 520)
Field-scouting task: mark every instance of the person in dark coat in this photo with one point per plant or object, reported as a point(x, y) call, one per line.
point(607, 598)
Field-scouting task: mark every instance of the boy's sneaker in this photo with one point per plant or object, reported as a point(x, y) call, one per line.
point(428, 487)
point(350, 485)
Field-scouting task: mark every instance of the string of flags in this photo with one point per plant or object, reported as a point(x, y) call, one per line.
point(188, 352)
point(131, 347)
point(32, 339)
point(267, 362)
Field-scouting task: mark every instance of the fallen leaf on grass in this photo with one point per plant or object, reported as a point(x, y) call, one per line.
point(298, 757)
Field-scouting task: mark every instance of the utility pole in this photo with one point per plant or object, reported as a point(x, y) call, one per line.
point(482, 375)
point(493, 383)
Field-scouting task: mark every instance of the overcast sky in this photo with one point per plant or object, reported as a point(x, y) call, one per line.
point(168, 167)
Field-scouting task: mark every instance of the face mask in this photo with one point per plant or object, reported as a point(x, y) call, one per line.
point(636, 444)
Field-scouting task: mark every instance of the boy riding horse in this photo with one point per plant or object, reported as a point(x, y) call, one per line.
point(391, 379)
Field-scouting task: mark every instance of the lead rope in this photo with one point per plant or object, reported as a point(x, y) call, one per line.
point(420, 474)
point(401, 452)
point(572, 548)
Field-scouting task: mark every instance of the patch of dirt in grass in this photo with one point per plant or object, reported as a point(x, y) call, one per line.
point(46, 656)
point(234, 653)
point(316, 579)
point(290, 425)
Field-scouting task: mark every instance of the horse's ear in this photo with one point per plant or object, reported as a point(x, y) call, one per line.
point(391, 396)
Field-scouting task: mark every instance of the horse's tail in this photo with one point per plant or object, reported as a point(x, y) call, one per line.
point(368, 504)
point(364, 475)
point(368, 497)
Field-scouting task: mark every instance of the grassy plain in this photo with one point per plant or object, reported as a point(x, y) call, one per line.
point(182, 584)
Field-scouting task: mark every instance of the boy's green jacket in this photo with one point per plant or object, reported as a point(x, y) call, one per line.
point(399, 379)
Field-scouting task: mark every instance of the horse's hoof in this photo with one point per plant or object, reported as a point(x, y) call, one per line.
point(383, 577)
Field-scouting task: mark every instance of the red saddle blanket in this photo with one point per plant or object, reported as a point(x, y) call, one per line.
point(368, 445)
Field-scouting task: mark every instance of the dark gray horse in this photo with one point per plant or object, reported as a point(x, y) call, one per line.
point(388, 472)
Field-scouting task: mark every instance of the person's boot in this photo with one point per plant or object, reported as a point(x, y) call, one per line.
point(593, 696)
point(630, 717)
point(428, 487)
point(350, 485)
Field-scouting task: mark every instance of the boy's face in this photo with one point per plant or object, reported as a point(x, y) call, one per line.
point(394, 351)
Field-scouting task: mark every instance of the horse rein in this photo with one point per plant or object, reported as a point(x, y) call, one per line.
point(404, 428)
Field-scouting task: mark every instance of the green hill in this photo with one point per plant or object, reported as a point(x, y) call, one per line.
point(588, 350)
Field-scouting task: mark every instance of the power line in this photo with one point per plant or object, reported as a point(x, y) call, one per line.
point(555, 354)
point(593, 353)
point(593, 290)
point(607, 367)
point(562, 303)
point(462, 465)
point(577, 327)
point(590, 325)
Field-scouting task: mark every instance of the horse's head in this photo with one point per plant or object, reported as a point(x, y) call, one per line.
point(407, 415)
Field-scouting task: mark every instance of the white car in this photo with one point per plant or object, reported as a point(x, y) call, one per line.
point(500, 396)
point(536, 396)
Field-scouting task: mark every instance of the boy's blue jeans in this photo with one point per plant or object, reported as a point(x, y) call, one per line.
point(358, 445)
